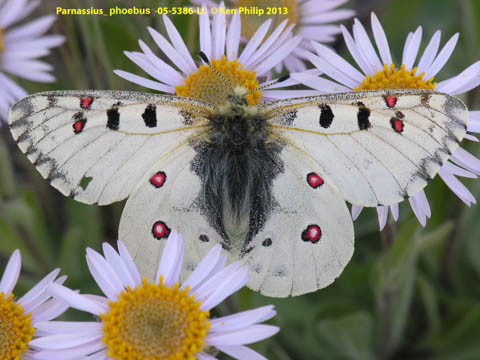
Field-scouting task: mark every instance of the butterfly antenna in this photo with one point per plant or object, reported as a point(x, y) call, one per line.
point(276, 81)
point(205, 59)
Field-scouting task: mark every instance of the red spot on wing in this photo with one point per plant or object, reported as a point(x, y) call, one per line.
point(314, 180)
point(78, 126)
point(391, 101)
point(86, 102)
point(158, 179)
point(312, 234)
point(160, 230)
point(397, 125)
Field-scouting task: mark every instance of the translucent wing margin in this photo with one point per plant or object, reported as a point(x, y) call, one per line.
point(95, 146)
point(377, 147)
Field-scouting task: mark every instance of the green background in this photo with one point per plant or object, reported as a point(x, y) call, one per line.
point(408, 293)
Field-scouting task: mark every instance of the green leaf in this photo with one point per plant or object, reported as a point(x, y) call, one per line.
point(7, 177)
point(393, 285)
point(348, 337)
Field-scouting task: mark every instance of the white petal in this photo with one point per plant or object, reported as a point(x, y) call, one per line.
point(473, 121)
point(241, 352)
point(318, 83)
point(411, 51)
point(73, 353)
point(456, 170)
point(457, 187)
point(394, 211)
point(69, 327)
point(11, 273)
point(356, 210)
point(352, 48)
point(32, 29)
point(35, 293)
point(442, 58)
point(114, 259)
point(467, 160)
point(63, 341)
point(170, 76)
point(104, 275)
point(171, 261)
point(155, 85)
point(12, 12)
point(365, 48)
point(204, 268)
point(219, 28)
point(266, 46)
point(205, 33)
point(382, 212)
point(211, 284)
point(429, 53)
point(233, 37)
point(339, 63)
point(75, 300)
point(178, 43)
point(381, 40)
point(255, 41)
point(277, 56)
point(331, 71)
point(128, 261)
point(242, 319)
point(242, 337)
point(231, 285)
point(169, 51)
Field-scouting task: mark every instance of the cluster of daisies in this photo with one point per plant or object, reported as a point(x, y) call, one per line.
point(137, 318)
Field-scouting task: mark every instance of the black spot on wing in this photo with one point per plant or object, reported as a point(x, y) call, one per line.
point(267, 242)
point(150, 116)
point(113, 122)
point(203, 238)
point(363, 116)
point(113, 117)
point(326, 116)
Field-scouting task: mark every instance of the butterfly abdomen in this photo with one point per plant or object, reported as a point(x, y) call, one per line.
point(237, 166)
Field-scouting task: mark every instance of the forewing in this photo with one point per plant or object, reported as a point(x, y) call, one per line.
point(95, 146)
point(378, 147)
point(308, 239)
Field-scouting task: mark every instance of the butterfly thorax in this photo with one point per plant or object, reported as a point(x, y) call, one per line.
point(237, 165)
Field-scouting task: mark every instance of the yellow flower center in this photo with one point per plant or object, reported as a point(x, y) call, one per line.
point(391, 78)
point(15, 329)
point(278, 10)
point(1, 39)
point(206, 85)
point(154, 322)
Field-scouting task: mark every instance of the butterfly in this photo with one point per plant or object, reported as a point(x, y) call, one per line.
point(267, 182)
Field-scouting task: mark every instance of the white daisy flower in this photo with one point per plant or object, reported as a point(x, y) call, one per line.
point(381, 72)
point(19, 318)
point(20, 46)
point(313, 20)
point(160, 320)
point(220, 44)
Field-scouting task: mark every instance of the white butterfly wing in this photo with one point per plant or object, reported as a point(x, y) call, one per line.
point(378, 147)
point(155, 208)
point(308, 239)
point(281, 259)
point(95, 146)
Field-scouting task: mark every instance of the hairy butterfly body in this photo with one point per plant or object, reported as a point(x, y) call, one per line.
point(268, 182)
